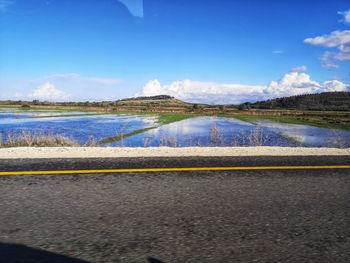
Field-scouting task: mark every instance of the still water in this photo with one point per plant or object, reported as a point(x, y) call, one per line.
point(196, 131)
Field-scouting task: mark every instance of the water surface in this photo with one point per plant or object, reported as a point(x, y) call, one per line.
point(196, 131)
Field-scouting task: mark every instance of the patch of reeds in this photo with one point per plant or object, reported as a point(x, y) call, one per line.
point(337, 141)
point(39, 139)
point(257, 137)
point(169, 141)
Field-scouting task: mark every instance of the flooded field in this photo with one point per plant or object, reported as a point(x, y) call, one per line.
point(146, 130)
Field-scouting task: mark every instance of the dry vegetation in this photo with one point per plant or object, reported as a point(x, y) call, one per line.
point(28, 139)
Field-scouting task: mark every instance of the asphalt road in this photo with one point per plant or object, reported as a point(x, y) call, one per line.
point(206, 216)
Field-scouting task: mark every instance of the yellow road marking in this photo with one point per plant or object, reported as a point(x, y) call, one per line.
point(180, 169)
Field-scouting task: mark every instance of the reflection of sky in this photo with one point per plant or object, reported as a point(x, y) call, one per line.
point(80, 128)
point(308, 135)
point(189, 132)
point(197, 132)
point(15, 113)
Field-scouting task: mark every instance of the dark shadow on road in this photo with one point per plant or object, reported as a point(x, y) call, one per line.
point(154, 260)
point(15, 253)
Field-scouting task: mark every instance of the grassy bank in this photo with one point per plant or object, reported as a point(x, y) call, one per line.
point(163, 119)
point(166, 118)
point(333, 122)
point(125, 135)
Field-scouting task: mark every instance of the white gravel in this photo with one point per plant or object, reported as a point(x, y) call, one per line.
point(113, 152)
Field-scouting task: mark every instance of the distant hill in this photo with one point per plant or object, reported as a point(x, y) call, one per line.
point(153, 103)
point(158, 97)
point(331, 101)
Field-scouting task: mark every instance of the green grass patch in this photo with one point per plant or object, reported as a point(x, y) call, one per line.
point(163, 119)
point(167, 118)
point(9, 106)
point(126, 135)
point(284, 119)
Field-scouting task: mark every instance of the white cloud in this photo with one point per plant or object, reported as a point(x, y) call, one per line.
point(328, 60)
point(80, 87)
point(204, 92)
point(346, 15)
point(292, 83)
point(335, 39)
point(300, 68)
point(47, 91)
point(339, 39)
point(335, 85)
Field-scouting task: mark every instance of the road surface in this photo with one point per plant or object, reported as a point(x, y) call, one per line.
point(294, 215)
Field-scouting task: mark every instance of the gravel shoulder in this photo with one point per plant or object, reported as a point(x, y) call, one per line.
point(125, 152)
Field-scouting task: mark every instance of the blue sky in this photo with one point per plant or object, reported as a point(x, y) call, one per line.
point(109, 49)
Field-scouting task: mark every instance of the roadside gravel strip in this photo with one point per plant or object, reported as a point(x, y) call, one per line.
point(113, 152)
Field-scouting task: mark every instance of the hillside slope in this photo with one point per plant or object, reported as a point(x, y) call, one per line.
point(154, 103)
point(334, 101)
